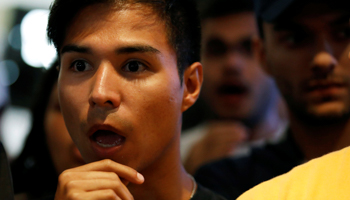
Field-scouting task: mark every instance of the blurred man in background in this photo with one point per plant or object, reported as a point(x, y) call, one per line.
point(245, 102)
point(304, 45)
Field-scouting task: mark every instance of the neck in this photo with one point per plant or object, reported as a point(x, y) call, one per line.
point(164, 179)
point(316, 141)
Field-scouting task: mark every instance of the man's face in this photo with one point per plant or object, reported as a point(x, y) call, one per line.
point(234, 85)
point(119, 88)
point(307, 56)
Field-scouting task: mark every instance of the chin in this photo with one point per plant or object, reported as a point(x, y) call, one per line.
point(327, 115)
point(332, 109)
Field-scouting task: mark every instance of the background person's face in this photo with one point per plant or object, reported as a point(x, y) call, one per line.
point(307, 56)
point(64, 153)
point(119, 87)
point(235, 86)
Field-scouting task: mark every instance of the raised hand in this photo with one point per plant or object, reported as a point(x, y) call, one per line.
point(103, 179)
point(220, 141)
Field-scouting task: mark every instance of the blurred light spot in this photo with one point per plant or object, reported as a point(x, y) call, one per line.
point(10, 68)
point(15, 126)
point(36, 50)
point(4, 93)
point(14, 37)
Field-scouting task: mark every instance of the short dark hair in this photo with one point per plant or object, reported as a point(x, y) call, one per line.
point(180, 17)
point(219, 8)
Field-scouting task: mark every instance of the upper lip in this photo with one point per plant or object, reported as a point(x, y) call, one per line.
point(324, 83)
point(105, 127)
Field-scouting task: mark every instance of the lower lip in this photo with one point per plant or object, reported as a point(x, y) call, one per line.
point(105, 152)
point(329, 91)
point(232, 98)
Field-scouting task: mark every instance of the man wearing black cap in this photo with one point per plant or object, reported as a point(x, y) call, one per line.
point(304, 47)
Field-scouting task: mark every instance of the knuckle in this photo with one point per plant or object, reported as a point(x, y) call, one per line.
point(73, 196)
point(110, 194)
point(71, 185)
point(107, 163)
point(65, 175)
point(113, 176)
point(117, 184)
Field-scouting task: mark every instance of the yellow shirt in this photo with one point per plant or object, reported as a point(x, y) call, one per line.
point(327, 177)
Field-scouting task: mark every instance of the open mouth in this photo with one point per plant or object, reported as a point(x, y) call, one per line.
point(232, 90)
point(107, 139)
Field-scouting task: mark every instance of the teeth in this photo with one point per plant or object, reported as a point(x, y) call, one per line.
point(106, 145)
point(107, 139)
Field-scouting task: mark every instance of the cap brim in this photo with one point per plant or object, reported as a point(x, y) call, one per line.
point(275, 10)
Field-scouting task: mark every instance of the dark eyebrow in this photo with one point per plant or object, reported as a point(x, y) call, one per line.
point(75, 48)
point(136, 49)
point(121, 50)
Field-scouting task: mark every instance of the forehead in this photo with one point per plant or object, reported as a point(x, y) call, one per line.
point(105, 21)
point(230, 26)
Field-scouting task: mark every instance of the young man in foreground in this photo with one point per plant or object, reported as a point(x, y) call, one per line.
point(128, 69)
point(304, 46)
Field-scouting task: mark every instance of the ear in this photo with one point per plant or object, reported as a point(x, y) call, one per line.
point(260, 53)
point(192, 84)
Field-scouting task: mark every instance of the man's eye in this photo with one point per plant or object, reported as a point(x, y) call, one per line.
point(294, 39)
point(245, 47)
point(215, 48)
point(343, 33)
point(134, 66)
point(80, 66)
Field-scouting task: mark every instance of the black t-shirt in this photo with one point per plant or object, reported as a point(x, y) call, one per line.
point(230, 177)
point(203, 193)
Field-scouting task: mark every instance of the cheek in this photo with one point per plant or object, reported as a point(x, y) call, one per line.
point(161, 103)
point(56, 132)
point(72, 102)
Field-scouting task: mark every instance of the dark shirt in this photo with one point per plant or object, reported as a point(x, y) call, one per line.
point(231, 177)
point(203, 193)
point(6, 190)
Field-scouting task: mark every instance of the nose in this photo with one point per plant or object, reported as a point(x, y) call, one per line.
point(104, 88)
point(233, 63)
point(324, 61)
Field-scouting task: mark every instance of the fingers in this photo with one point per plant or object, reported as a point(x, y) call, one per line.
point(220, 141)
point(226, 132)
point(100, 194)
point(99, 180)
point(113, 189)
point(107, 165)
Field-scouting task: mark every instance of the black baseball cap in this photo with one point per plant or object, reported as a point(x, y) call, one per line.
point(271, 10)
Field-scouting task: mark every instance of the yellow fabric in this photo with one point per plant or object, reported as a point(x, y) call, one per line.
point(327, 177)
